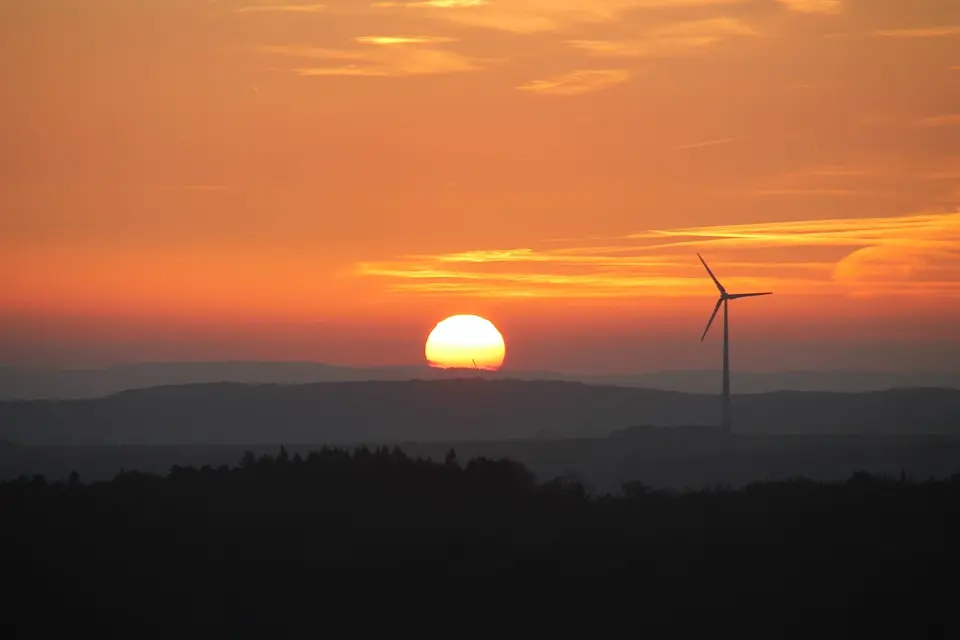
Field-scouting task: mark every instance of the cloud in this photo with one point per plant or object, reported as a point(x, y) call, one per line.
point(826, 181)
point(931, 231)
point(537, 16)
point(942, 175)
point(435, 4)
point(940, 121)
point(707, 143)
point(816, 192)
point(400, 40)
point(925, 32)
point(381, 61)
point(668, 40)
point(283, 8)
point(826, 7)
point(578, 82)
point(830, 171)
point(198, 188)
point(880, 270)
point(904, 255)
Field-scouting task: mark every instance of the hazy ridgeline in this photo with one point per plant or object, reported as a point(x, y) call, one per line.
point(238, 543)
point(451, 410)
point(17, 383)
point(554, 428)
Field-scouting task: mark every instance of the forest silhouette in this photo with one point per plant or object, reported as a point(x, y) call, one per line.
point(209, 545)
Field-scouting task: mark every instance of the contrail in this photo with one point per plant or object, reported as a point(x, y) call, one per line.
point(708, 143)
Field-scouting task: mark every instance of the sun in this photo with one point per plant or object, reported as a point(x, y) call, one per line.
point(465, 341)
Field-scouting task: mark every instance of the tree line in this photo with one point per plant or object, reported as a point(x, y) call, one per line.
point(208, 543)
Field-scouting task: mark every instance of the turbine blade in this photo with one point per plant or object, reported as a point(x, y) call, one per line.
point(734, 296)
point(712, 316)
point(712, 277)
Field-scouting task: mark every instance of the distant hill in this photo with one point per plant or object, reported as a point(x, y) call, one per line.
point(450, 410)
point(20, 383)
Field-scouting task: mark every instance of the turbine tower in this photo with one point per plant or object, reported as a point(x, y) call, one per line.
point(724, 298)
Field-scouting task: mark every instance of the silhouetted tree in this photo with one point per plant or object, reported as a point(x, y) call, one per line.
point(248, 461)
point(635, 489)
point(451, 459)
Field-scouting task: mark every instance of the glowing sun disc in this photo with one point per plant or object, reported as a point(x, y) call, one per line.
point(465, 341)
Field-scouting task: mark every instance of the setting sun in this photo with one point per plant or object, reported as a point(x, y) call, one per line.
point(465, 341)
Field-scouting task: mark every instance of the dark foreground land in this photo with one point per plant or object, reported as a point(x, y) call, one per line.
point(233, 545)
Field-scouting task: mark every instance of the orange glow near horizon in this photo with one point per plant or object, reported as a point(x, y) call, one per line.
point(218, 177)
point(465, 342)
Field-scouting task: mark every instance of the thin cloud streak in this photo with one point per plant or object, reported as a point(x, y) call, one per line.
point(942, 175)
point(677, 39)
point(198, 188)
point(907, 255)
point(824, 7)
point(577, 82)
point(829, 172)
point(381, 61)
point(926, 32)
point(436, 4)
point(541, 16)
point(402, 40)
point(940, 121)
point(830, 193)
point(708, 143)
point(283, 8)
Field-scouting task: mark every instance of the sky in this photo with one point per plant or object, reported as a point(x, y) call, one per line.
point(253, 179)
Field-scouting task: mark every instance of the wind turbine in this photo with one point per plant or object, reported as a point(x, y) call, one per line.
point(724, 298)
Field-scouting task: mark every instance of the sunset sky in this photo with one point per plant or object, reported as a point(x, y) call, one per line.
point(239, 179)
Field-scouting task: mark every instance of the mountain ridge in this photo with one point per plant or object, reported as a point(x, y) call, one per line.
point(28, 383)
point(452, 410)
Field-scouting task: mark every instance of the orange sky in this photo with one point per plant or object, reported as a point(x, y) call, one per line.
point(325, 181)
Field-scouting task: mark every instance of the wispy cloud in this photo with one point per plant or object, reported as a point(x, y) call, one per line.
point(918, 254)
point(829, 171)
point(940, 121)
point(825, 181)
point(925, 32)
point(942, 175)
point(282, 8)
point(825, 7)
point(817, 192)
point(198, 188)
point(578, 82)
point(537, 16)
point(668, 40)
point(401, 40)
point(379, 60)
point(435, 4)
point(887, 269)
point(707, 143)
